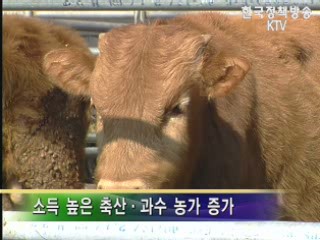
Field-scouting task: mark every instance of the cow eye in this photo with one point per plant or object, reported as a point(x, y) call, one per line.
point(176, 111)
point(180, 108)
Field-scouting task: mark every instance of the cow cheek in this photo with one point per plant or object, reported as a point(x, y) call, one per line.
point(176, 143)
point(175, 137)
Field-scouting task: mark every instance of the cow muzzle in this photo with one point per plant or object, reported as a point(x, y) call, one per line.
point(129, 184)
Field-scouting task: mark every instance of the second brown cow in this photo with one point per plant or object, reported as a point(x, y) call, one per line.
point(44, 128)
point(205, 101)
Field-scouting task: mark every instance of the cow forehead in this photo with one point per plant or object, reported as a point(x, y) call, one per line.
point(134, 75)
point(144, 97)
point(158, 44)
point(140, 35)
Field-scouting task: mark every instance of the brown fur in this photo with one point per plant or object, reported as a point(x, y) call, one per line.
point(44, 128)
point(265, 133)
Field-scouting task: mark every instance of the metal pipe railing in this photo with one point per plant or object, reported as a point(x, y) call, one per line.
point(149, 4)
point(14, 229)
point(91, 151)
point(117, 16)
point(82, 25)
point(91, 138)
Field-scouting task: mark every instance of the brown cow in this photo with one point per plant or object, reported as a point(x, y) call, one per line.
point(44, 128)
point(169, 119)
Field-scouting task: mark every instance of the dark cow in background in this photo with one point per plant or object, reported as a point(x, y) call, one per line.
point(44, 128)
point(205, 101)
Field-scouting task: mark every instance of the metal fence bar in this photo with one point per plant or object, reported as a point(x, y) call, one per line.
point(82, 25)
point(140, 17)
point(91, 159)
point(109, 16)
point(90, 186)
point(117, 16)
point(91, 151)
point(149, 4)
point(91, 137)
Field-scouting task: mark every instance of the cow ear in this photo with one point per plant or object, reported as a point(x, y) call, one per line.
point(234, 71)
point(70, 69)
point(221, 72)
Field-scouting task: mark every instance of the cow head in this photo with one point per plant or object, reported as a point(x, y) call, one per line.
point(44, 128)
point(148, 86)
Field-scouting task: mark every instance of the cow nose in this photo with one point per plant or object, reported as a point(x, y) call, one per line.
point(129, 184)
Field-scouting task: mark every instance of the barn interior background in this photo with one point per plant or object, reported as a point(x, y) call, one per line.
point(90, 24)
